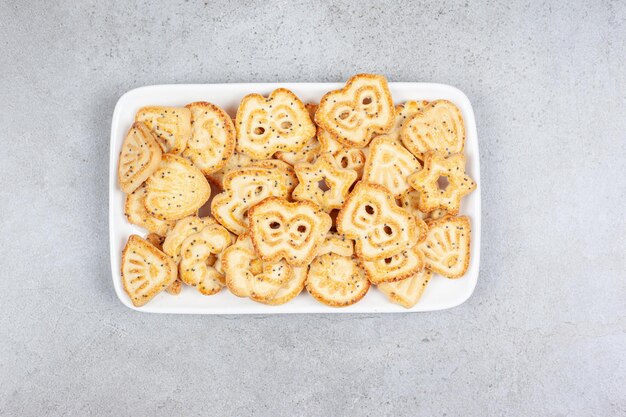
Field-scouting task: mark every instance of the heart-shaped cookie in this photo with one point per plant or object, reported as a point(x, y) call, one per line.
point(357, 112)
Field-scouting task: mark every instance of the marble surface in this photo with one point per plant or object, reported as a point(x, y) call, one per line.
point(544, 332)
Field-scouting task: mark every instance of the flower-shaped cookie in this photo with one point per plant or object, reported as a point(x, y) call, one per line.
point(442, 183)
point(323, 182)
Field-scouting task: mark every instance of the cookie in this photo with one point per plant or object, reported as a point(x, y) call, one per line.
point(336, 280)
point(268, 125)
point(406, 292)
point(410, 202)
point(237, 160)
point(390, 164)
point(212, 140)
point(336, 243)
point(170, 125)
point(183, 228)
point(308, 153)
point(243, 188)
point(139, 158)
point(437, 214)
point(175, 287)
point(176, 189)
point(405, 112)
point(323, 182)
point(380, 228)
point(395, 268)
point(437, 128)
point(136, 213)
point(287, 170)
point(198, 255)
point(447, 246)
point(291, 288)
point(442, 183)
point(146, 271)
point(290, 231)
point(348, 158)
point(248, 276)
point(358, 111)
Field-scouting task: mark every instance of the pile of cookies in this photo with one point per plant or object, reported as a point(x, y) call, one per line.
point(332, 197)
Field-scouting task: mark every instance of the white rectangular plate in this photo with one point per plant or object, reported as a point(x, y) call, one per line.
point(441, 293)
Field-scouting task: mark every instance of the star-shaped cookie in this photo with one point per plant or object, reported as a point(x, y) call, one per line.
point(442, 183)
point(323, 182)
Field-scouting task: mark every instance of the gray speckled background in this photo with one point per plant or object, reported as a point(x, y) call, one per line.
point(545, 331)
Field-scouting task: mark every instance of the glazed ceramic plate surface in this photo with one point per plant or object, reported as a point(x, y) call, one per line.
point(441, 293)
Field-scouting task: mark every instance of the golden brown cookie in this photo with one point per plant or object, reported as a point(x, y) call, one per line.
point(395, 268)
point(183, 228)
point(198, 256)
point(279, 122)
point(139, 158)
point(146, 271)
point(380, 228)
point(176, 189)
point(442, 183)
point(170, 125)
point(437, 128)
point(248, 276)
point(358, 111)
point(290, 231)
point(447, 246)
point(243, 188)
point(136, 213)
point(406, 292)
point(323, 182)
point(212, 140)
point(405, 112)
point(336, 280)
point(390, 164)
